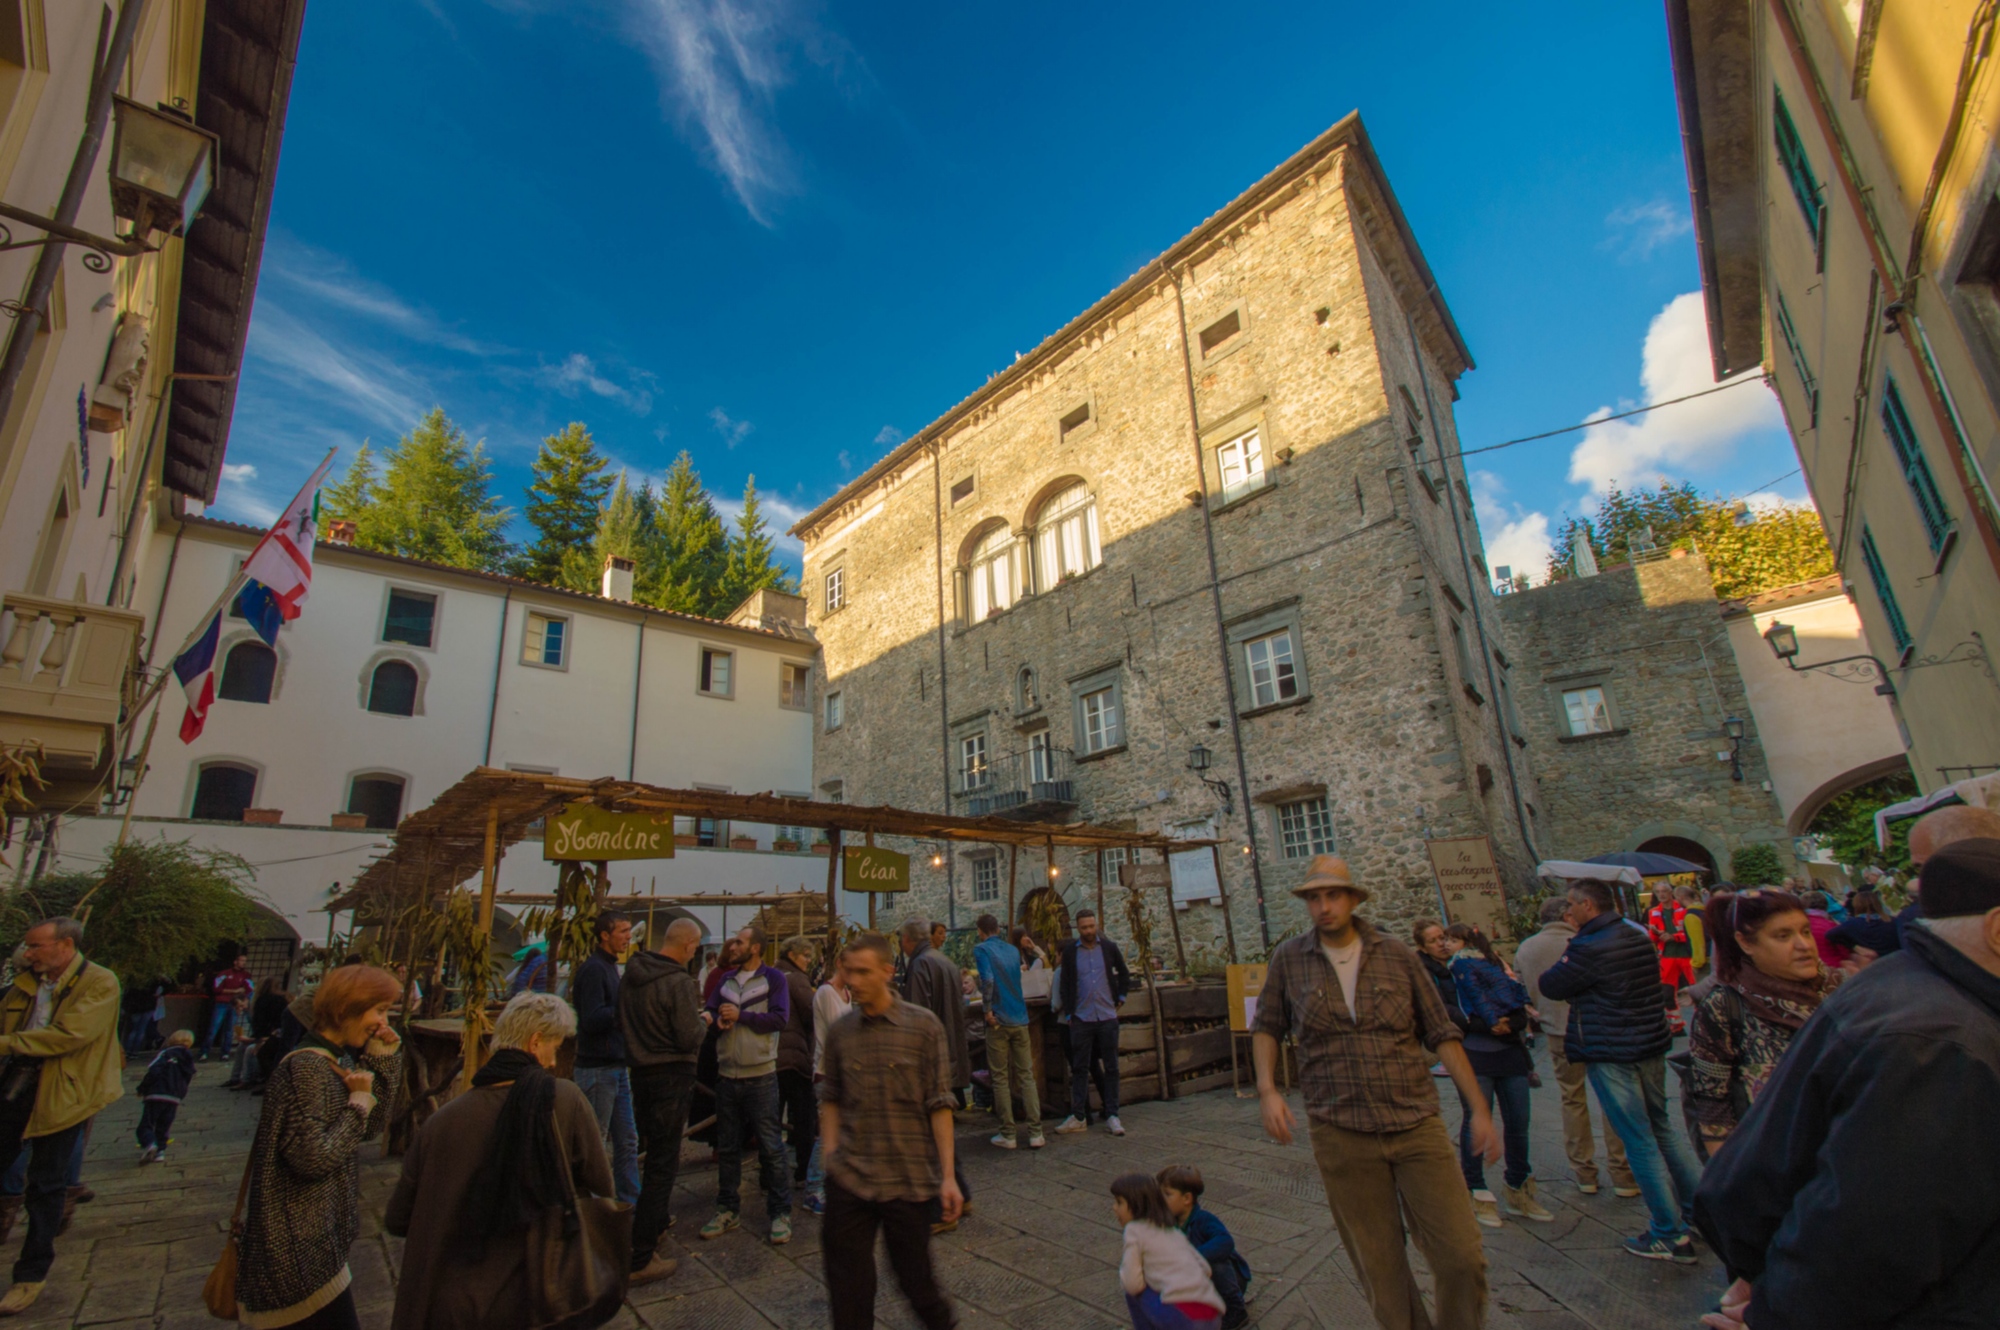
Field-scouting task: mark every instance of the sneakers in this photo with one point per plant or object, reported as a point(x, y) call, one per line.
point(943, 1226)
point(1114, 1126)
point(160, 1158)
point(20, 1297)
point(149, 1154)
point(723, 1221)
point(1005, 1141)
point(1036, 1140)
point(1626, 1193)
point(1521, 1201)
point(1070, 1124)
point(1587, 1188)
point(658, 1268)
point(1486, 1209)
point(1239, 1317)
point(1649, 1248)
point(814, 1205)
point(781, 1230)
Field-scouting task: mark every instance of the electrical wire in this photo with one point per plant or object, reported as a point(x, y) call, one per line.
point(1622, 415)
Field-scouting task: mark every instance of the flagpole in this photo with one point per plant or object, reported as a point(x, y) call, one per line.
point(236, 582)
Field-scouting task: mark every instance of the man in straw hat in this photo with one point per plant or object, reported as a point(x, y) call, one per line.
point(1368, 1023)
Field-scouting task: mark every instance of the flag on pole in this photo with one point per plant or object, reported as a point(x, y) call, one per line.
point(274, 581)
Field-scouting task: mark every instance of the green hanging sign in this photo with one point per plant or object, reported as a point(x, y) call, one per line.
point(583, 831)
point(871, 869)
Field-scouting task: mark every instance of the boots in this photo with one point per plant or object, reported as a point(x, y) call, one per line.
point(1522, 1203)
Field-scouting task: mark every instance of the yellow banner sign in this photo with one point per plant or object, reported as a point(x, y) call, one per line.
point(871, 869)
point(585, 831)
point(1245, 982)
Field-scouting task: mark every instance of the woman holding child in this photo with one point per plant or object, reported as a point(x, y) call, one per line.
point(1495, 1005)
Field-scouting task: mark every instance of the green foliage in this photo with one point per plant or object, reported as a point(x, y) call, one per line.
point(435, 501)
point(748, 567)
point(564, 499)
point(620, 529)
point(1846, 825)
point(1781, 547)
point(1756, 866)
point(348, 498)
point(156, 907)
point(689, 550)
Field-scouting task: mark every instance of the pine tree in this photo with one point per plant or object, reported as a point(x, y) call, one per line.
point(435, 500)
point(748, 567)
point(564, 503)
point(355, 491)
point(691, 550)
point(620, 530)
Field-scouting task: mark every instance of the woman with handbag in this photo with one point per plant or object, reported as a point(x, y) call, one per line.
point(496, 1236)
point(1495, 1005)
point(303, 1178)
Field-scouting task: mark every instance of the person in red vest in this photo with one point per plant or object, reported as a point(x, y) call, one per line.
point(1666, 924)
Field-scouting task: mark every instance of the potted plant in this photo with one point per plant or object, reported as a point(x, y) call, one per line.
point(742, 842)
point(785, 844)
point(263, 817)
point(349, 821)
point(686, 838)
point(822, 845)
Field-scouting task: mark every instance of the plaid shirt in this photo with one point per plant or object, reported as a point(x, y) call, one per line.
point(1366, 1074)
point(886, 1074)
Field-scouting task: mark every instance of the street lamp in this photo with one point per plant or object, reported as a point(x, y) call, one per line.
point(1198, 761)
point(1784, 640)
point(1733, 727)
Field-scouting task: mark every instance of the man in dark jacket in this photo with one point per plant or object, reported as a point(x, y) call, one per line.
point(600, 1050)
point(1858, 1190)
point(1095, 983)
point(1610, 976)
point(659, 1013)
point(795, 1054)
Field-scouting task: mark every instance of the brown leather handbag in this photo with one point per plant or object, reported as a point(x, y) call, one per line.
point(219, 1290)
point(579, 1261)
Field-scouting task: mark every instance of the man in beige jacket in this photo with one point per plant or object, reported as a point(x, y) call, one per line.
point(59, 1042)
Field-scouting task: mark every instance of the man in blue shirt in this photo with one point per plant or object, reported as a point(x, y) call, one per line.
point(1009, 1059)
point(1094, 984)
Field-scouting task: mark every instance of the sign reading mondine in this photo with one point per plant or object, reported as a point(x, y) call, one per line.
point(870, 869)
point(585, 831)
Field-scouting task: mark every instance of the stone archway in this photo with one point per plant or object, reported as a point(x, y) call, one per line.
point(1681, 847)
point(1650, 835)
point(1810, 806)
point(1045, 914)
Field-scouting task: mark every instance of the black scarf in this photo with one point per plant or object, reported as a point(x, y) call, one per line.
point(525, 1170)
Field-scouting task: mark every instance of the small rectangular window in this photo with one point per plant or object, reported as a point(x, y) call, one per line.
point(545, 640)
point(1587, 711)
point(1916, 471)
point(1108, 864)
point(836, 589)
point(1463, 655)
point(960, 491)
point(1798, 170)
point(412, 618)
point(1100, 720)
point(1041, 757)
point(1074, 421)
point(1274, 675)
point(1878, 576)
point(715, 668)
point(972, 769)
point(985, 878)
point(1224, 328)
point(1797, 351)
point(1305, 828)
point(1240, 463)
point(833, 710)
point(795, 686)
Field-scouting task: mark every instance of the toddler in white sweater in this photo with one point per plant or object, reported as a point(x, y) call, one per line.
point(1167, 1282)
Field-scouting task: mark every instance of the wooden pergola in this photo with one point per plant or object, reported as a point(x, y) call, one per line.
point(465, 830)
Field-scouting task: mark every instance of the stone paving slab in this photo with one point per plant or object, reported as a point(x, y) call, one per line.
point(1038, 1249)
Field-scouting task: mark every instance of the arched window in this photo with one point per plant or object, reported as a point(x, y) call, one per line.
point(379, 797)
point(222, 791)
point(1066, 536)
point(991, 578)
point(393, 690)
point(248, 672)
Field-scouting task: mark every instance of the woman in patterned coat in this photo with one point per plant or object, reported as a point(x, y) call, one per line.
point(331, 1093)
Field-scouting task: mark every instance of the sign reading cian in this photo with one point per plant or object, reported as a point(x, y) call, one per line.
point(585, 831)
point(870, 869)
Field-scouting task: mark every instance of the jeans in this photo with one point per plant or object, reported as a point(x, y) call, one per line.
point(609, 1090)
point(816, 1173)
point(1578, 1141)
point(1012, 1064)
point(1093, 1051)
point(795, 1088)
point(1634, 1096)
point(243, 1070)
point(1148, 1312)
point(156, 1123)
point(15, 1180)
point(847, 1246)
point(50, 1159)
point(222, 1023)
point(1513, 1094)
point(137, 1027)
point(1228, 1285)
point(748, 1107)
point(661, 1095)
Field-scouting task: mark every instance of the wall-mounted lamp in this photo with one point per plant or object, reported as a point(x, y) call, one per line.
point(1198, 761)
point(1733, 727)
point(1784, 640)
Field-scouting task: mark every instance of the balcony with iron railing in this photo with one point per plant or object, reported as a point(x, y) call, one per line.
point(65, 668)
point(1033, 786)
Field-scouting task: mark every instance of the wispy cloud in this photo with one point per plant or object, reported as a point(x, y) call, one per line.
point(1514, 537)
point(732, 431)
point(366, 382)
point(1639, 229)
point(780, 514)
point(237, 499)
point(889, 436)
point(845, 458)
point(579, 373)
point(1704, 432)
point(331, 280)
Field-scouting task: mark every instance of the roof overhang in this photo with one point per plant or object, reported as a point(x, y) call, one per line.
point(248, 50)
point(1715, 81)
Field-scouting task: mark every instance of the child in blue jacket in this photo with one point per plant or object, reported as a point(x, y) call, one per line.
point(162, 1089)
point(1181, 1184)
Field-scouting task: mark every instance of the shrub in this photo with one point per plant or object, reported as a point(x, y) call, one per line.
point(1756, 866)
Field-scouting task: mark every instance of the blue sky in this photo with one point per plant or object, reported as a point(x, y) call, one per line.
point(782, 236)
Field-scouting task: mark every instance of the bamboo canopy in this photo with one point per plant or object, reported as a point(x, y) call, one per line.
point(466, 828)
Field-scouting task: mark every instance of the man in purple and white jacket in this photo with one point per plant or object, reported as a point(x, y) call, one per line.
point(751, 1008)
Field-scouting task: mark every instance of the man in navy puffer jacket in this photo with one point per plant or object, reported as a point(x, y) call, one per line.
point(1610, 976)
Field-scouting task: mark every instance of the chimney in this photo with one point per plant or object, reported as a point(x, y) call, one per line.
point(340, 531)
point(618, 578)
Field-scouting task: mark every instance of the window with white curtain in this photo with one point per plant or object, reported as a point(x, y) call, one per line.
point(1066, 536)
point(992, 581)
point(1273, 676)
point(972, 769)
point(1241, 464)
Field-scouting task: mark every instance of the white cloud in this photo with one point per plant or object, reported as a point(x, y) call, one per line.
point(236, 499)
point(1513, 536)
point(377, 386)
point(579, 373)
point(889, 436)
point(1691, 435)
point(330, 279)
point(845, 458)
point(780, 515)
point(238, 473)
point(1639, 229)
point(732, 431)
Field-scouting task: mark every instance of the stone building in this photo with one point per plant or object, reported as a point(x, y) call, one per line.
point(1626, 688)
point(1210, 518)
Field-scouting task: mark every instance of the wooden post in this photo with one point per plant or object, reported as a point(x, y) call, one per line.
point(1013, 859)
point(488, 875)
point(1173, 911)
point(603, 886)
point(1228, 924)
point(868, 839)
point(832, 878)
point(1100, 888)
point(1049, 867)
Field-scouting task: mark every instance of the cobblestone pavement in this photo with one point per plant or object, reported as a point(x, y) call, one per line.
point(1038, 1249)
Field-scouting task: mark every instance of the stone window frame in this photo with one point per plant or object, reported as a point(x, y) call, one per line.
point(378, 773)
point(833, 569)
point(989, 860)
point(1084, 402)
point(198, 765)
point(1254, 415)
point(1561, 685)
point(1019, 559)
point(952, 498)
point(704, 650)
point(1465, 656)
point(436, 596)
point(1510, 709)
point(1230, 345)
point(247, 637)
point(833, 710)
point(568, 621)
point(1241, 631)
point(403, 653)
point(1087, 684)
point(1302, 800)
point(802, 695)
